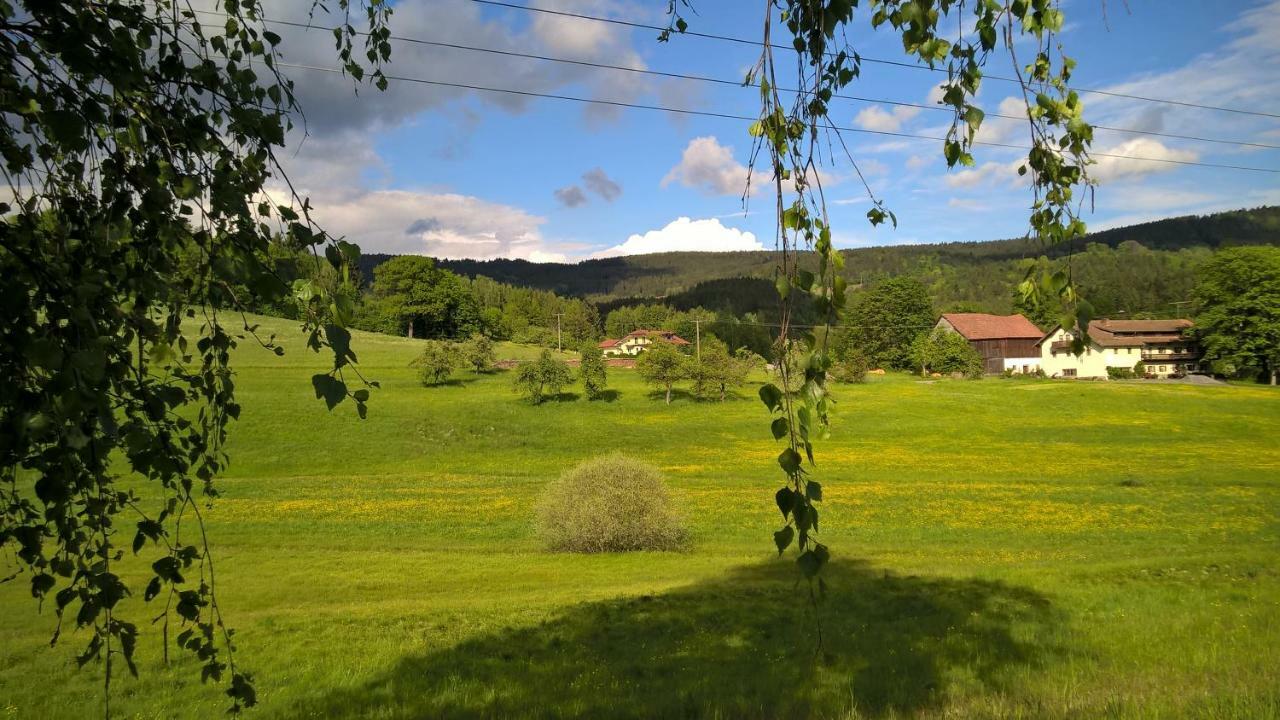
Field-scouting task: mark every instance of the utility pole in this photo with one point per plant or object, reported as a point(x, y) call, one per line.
point(697, 330)
point(559, 346)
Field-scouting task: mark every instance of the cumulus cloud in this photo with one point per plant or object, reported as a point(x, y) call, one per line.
point(1111, 169)
point(684, 234)
point(878, 119)
point(710, 167)
point(446, 225)
point(601, 184)
point(985, 174)
point(571, 196)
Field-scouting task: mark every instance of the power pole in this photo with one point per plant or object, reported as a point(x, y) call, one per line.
point(559, 346)
point(697, 330)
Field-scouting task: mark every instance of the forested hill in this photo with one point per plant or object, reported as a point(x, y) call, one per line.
point(1139, 268)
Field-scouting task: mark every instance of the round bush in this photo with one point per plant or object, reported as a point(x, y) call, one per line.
point(612, 503)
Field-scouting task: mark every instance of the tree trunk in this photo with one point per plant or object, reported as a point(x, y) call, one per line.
point(668, 393)
point(1273, 377)
point(410, 328)
point(721, 392)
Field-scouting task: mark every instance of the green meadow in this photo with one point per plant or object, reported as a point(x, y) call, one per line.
point(1001, 549)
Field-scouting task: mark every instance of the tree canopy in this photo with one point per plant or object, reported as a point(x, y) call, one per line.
point(137, 145)
point(1238, 291)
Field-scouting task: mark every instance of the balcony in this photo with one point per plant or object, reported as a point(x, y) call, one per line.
point(1150, 357)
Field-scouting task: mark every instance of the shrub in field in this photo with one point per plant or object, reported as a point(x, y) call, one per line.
point(1120, 373)
point(852, 368)
point(542, 378)
point(437, 361)
point(612, 503)
point(592, 371)
point(478, 353)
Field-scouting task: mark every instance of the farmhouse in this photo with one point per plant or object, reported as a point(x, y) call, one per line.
point(633, 343)
point(1162, 346)
point(1005, 342)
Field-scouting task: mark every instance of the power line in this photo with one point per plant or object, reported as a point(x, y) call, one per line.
point(862, 58)
point(731, 116)
point(738, 84)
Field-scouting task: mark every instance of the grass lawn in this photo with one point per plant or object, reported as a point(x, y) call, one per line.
point(1030, 549)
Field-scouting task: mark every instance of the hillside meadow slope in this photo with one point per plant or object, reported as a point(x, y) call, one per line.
point(1030, 549)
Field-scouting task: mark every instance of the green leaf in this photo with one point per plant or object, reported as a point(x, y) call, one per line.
point(771, 396)
point(785, 498)
point(329, 388)
point(780, 427)
point(813, 489)
point(789, 460)
point(783, 538)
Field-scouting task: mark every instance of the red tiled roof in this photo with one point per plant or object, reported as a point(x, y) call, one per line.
point(608, 343)
point(980, 326)
point(667, 335)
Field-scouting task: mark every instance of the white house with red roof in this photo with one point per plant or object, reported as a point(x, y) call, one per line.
point(1164, 347)
point(634, 343)
point(1005, 342)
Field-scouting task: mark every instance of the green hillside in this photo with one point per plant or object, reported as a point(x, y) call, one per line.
point(1139, 269)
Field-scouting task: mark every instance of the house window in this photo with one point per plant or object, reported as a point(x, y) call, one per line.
point(1069, 372)
point(1162, 368)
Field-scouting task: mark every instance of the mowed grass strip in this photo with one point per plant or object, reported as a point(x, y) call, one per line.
point(1003, 549)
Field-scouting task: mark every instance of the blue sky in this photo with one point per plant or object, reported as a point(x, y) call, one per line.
point(448, 172)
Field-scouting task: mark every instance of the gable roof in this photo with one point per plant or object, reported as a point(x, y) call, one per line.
point(1129, 333)
point(608, 343)
point(1142, 326)
point(981, 326)
point(663, 334)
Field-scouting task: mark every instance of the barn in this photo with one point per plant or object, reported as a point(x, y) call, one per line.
point(1005, 342)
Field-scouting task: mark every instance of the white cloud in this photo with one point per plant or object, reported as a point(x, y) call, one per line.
point(1110, 169)
point(447, 225)
point(878, 119)
point(988, 173)
point(684, 234)
point(710, 167)
point(1238, 74)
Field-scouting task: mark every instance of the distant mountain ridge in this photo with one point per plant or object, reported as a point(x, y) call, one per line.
point(974, 276)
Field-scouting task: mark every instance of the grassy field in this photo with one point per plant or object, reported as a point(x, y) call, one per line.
point(1029, 549)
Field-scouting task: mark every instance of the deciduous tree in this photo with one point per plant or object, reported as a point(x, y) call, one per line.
point(592, 370)
point(1238, 292)
point(542, 378)
point(662, 364)
point(478, 353)
point(437, 362)
point(135, 138)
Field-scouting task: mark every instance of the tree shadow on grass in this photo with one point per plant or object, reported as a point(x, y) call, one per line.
point(741, 647)
point(608, 396)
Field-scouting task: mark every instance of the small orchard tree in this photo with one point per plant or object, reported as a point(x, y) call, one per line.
point(437, 362)
point(663, 365)
point(945, 352)
point(542, 378)
point(716, 370)
point(592, 371)
point(477, 353)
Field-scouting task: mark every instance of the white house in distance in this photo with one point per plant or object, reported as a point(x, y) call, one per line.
point(1161, 345)
point(633, 343)
point(1005, 342)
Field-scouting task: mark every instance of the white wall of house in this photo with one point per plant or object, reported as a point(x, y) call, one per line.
point(1026, 365)
point(1092, 364)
